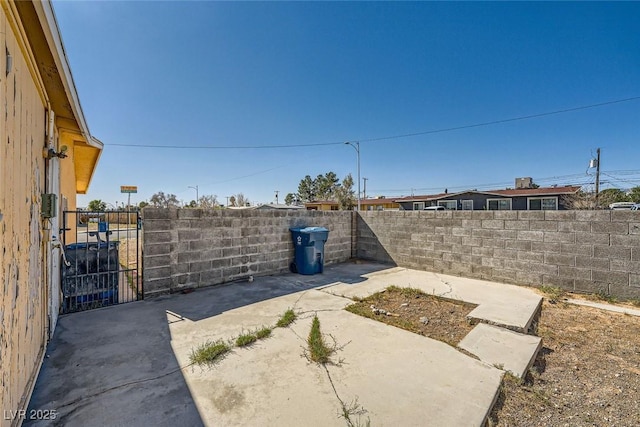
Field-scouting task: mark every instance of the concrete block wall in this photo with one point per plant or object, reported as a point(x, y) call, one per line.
point(190, 248)
point(585, 251)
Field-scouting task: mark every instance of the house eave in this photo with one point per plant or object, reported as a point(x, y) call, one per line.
point(46, 43)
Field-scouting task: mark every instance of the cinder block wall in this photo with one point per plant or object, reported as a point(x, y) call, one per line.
point(188, 248)
point(588, 251)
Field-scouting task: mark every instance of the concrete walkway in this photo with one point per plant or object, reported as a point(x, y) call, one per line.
point(604, 306)
point(129, 364)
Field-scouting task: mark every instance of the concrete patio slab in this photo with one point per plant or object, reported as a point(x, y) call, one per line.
point(129, 364)
point(394, 374)
point(510, 306)
point(508, 350)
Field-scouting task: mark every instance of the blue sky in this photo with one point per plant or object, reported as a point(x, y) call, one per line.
point(261, 74)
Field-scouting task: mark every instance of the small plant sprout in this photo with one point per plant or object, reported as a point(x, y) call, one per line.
point(264, 332)
point(287, 318)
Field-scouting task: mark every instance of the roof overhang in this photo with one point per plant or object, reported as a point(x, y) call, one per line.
point(41, 28)
point(85, 160)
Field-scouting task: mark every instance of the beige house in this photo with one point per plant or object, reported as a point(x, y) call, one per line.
point(47, 156)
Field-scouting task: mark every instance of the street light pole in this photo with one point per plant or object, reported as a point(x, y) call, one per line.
point(197, 198)
point(356, 146)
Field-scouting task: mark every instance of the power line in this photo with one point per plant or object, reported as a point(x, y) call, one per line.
point(234, 179)
point(383, 138)
point(573, 179)
point(495, 122)
point(628, 181)
point(247, 176)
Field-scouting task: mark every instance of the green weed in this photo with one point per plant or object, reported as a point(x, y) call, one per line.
point(318, 350)
point(263, 333)
point(245, 340)
point(209, 352)
point(287, 318)
point(553, 293)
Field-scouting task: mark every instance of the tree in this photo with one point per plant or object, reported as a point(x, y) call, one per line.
point(97, 205)
point(240, 200)
point(345, 194)
point(326, 186)
point(292, 199)
point(209, 202)
point(307, 190)
point(611, 195)
point(191, 204)
point(579, 200)
point(634, 194)
point(143, 204)
point(323, 187)
point(161, 200)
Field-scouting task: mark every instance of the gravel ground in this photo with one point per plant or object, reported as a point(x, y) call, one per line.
point(586, 374)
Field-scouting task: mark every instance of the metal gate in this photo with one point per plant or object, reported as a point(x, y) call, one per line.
point(101, 262)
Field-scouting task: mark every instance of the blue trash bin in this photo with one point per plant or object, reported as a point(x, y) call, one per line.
point(91, 278)
point(308, 243)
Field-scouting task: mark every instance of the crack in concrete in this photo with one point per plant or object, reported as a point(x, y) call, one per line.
point(107, 390)
point(447, 284)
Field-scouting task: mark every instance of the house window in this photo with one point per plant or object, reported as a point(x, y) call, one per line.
point(543, 203)
point(334, 208)
point(451, 205)
point(499, 204)
point(418, 206)
point(467, 205)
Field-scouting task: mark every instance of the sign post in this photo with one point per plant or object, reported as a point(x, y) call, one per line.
point(128, 189)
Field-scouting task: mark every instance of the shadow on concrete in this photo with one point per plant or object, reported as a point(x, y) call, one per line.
point(116, 366)
point(206, 302)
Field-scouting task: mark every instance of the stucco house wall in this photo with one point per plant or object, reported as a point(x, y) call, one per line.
point(39, 113)
point(23, 299)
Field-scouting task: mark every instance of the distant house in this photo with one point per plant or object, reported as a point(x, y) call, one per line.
point(266, 206)
point(518, 199)
point(271, 206)
point(377, 204)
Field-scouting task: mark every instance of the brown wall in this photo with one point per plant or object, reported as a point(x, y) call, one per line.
point(23, 299)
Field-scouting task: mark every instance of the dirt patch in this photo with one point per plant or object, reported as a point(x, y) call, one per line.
point(129, 252)
point(586, 374)
point(434, 317)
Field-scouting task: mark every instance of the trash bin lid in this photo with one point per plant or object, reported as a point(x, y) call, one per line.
point(89, 245)
point(308, 229)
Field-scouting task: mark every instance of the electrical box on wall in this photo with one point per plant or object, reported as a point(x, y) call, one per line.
point(49, 205)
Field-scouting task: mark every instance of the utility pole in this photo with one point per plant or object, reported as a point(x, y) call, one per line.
point(356, 146)
point(276, 191)
point(597, 176)
point(364, 192)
